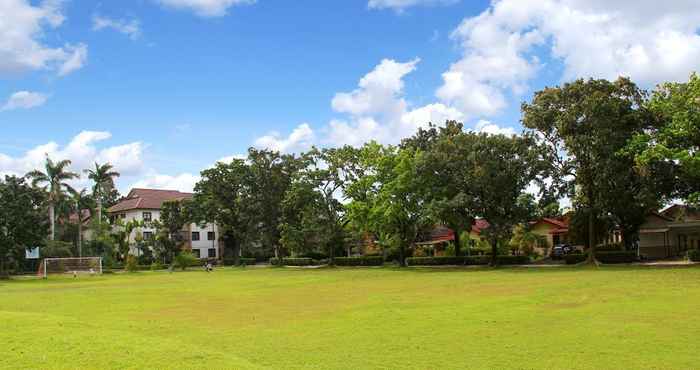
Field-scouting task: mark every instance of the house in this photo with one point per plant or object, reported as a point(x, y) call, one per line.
point(436, 241)
point(670, 233)
point(552, 230)
point(145, 205)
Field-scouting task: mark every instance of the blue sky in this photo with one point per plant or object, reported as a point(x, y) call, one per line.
point(164, 88)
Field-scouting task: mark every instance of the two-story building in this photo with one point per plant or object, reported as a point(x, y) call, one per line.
point(145, 205)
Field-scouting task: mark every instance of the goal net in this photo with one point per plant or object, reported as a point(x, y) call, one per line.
point(75, 265)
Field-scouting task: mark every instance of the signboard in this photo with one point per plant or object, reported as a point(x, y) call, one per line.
point(32, 253)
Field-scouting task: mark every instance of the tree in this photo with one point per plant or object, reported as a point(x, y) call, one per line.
point(174, 215)
point(502, 168)
point(313, 210)
point(55, 177)
point(80, 201)
point(22, 222)
point(222, 197)
point(103, 190)
point(444, 167)
point(270, 177)
point(583, 125)
point(674, 139)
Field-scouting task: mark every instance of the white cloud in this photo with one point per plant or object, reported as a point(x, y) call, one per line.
point(602, 39)
point(183, 182)
point(300, 139)
point(400, 5)
point(131, 28)
point(22, 31)
point(206, 8)
point(83, 151)
point(490, 128)
point(24, 100)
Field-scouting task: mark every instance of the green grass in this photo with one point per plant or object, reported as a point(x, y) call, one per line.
point(564, 318)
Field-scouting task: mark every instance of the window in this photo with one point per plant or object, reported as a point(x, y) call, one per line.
point(147, 235)
point(211, 235)
point(212, 253)
point(195, 252)
point(195, 236)
point(146, 216)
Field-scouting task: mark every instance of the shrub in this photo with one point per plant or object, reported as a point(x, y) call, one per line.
point(359, 261)
point(185, 260)
point(616, 256)
point(574, 258)
point(610, 248)
point(157, 266)
point(241, 261)
point(694, 255)
point(292, 261)
point(132, 263)
point(275, 261)
point(57, 248)
point(314, 255)
point(513, 260)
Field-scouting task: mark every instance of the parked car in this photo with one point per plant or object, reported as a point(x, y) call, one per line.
point(560, 250)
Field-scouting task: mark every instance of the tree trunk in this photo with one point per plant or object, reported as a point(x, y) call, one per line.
point(402, 255)
point(591, 237)
point(52, 222)
point(99, 210)
point(458, 243)
point(494, 252)
point(80, 234)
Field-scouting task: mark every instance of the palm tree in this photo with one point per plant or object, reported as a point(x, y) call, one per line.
point(55, 177)
point(103, 176)
point(80, 201)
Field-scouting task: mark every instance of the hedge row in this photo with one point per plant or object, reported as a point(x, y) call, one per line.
point(603, 257)
point(241, 261)
point(694, 255)
point(466, 260)
point(359, 261)
point(292, 261)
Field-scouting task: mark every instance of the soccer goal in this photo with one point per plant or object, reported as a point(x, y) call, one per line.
point(73, 265)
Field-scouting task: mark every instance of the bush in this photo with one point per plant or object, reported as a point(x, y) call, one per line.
point(603, 257)
point(132, 263)
point(155, 266)
point(359, 261)
point(185, 260)
point(241, 261)
point(616, 257)
point(610, 248)
point(466, 260)
point(57, 248)
point(293, 261)
point(694, 255)
point(314, 255)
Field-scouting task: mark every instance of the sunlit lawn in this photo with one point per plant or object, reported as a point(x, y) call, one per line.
point(565, 318)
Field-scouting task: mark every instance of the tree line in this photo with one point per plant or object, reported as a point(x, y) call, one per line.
point(615, 150)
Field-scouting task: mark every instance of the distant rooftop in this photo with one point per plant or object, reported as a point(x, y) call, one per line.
point(147, 199)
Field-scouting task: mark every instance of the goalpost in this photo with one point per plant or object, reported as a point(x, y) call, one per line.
point(71, 265)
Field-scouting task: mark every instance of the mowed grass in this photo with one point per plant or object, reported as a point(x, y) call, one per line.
point(568, 318)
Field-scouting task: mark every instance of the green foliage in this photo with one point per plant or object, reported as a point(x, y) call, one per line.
point(694, 255)
point(292, 262)
point(155, 266)
point(132, 263)
point(103, 190)
point(575, 258)
point(467, 260)
point(57, 249)
point(22, 220)
point(359, 261)
point(242, 261)
point(186, 259)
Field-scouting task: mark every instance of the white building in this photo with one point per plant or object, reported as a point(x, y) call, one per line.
point(145, 204)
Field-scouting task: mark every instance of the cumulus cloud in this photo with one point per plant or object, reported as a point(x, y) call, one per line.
point(22, 47)
point(484, 126)
point(301, 138)
point(597, 38)
point(83, 150)
point(131, 28)
point(24, 100)
point(184, 182)
point(205, 8)
point(400, 5)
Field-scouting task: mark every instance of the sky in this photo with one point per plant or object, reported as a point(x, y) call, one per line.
point(165, 88)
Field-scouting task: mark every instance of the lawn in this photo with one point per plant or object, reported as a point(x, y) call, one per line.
point(565, 318)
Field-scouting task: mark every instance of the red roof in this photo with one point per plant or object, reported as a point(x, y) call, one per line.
point(148, 199)
point(445, 234)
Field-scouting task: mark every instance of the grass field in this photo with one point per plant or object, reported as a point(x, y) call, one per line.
point(356, 318)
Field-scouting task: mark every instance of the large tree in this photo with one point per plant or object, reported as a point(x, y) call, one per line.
point(103, 190)
point(270, 177)
point(55, 179)
point(674, 139)
point(584, 125)
point(22, 222)
point(80, 201)
point(174, 215)
point(222, 197)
